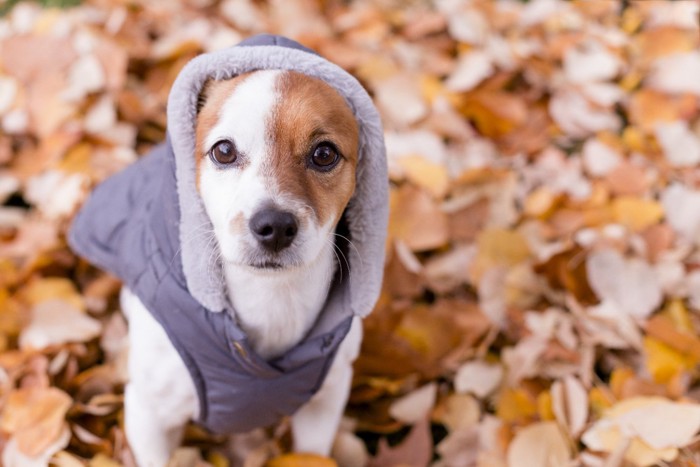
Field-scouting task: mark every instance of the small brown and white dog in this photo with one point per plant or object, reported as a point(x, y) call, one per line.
point(289, 146)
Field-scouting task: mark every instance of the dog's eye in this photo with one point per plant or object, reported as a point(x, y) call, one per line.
point(324, 157)
point(223, 152)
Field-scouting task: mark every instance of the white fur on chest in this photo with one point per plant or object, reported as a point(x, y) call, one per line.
point(278, 309)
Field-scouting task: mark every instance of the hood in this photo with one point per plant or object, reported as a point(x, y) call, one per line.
point(367, 212)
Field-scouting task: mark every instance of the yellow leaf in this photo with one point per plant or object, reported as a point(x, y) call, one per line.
point(540, 202)
point(634, 139)
point(544, 406)
point(618, 378)
point(637, 214)
point(52, 288)
point(432, 88)
point(515, 405)
point(77, 159)
point(217, 459)
point(663, 362)
point(499, 247)
point(599, 400)
point(676, 311)
point(424, 173)
point(301, 460)
point(101, 460)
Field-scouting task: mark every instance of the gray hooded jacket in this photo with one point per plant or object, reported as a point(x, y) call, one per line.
point(142, 224)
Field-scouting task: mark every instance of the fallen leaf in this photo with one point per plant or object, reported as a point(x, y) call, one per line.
point(636, 214)
point(35, 419)
point(478, 377)
point(301, 460)
point(417, 220)
point(682, 209)
point(459, 412)
point(414, 406)
point(680, 145)
point(539, 445)
point(426, 174)
point(57, 322)
point(570, 404)
point(674, 73)
point(656, 426)
point(612, 277)
point(472, 68)
point(413, 451)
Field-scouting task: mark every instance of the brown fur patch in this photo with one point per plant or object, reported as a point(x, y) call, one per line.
point(214, 95)
point(309, 112)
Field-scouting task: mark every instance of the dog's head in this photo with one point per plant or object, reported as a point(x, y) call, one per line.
point(276, 153)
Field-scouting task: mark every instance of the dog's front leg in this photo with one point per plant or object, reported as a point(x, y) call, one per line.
point(160, 397)
point(315, 424)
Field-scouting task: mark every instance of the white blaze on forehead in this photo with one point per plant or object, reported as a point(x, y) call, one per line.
point(244, 115)
point(239, 190)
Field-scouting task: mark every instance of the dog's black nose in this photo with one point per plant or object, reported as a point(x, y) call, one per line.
point(274, 229)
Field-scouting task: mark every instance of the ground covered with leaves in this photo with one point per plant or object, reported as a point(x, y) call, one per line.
point(541, 304)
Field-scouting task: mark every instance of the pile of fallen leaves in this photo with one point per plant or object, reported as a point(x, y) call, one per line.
point(541, 304)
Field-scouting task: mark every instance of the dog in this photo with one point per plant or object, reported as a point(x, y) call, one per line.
point(250, 244)
point(277, 153)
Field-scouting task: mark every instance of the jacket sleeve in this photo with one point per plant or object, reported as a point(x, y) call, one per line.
point(105, 229)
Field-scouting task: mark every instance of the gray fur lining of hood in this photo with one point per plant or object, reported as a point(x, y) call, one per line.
point(367, 212)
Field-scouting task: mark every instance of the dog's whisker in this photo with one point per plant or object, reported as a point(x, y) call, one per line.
point(334, 248)
point(352, 245)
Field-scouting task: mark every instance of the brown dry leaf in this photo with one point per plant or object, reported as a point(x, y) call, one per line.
point(417, 220)
point(648, 108)
point(414, 451)
point(35, 418)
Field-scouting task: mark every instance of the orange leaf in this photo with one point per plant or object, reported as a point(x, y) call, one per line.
point(301, 460)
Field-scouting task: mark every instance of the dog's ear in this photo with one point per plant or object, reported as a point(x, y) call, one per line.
point(203, 95)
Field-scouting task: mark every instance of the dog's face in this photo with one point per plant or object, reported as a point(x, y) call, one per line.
point(276, 153)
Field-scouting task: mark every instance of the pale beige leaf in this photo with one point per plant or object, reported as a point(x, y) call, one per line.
point(676, 73)
point(400, 99)
point(472, 68)
point(599, 158)
point(13, 456)
point(570, 404)
point(56, 193)
point(612, 277)
point(578, 118)
point(539, 445)
point(682, 209)
point(478, 377)
point(680, 145)
point(655, 427)
point(590, 61)
point(57, 322)
point(415, 405)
